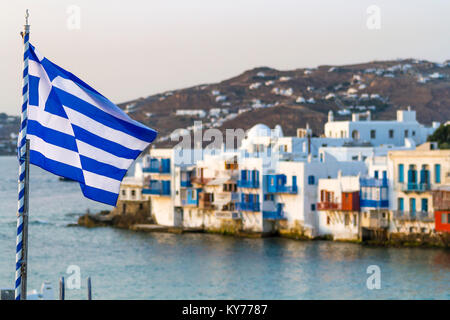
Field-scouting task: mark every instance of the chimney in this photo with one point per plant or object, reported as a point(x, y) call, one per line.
point(330, 116)
point(308, 135)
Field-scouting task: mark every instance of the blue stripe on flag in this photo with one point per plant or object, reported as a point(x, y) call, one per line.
point(101, 168)
point(56, 167)
point(99, 195)
point(51, 136)
point(104, 144)
point(33, 93)
point(91, 111)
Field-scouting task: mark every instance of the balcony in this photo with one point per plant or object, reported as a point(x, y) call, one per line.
point(206, 201)
point(199, 180)
point(227, 215)
point(248, 183)
point(282, 189)
point(277, 183)
point(274, 215)
point(248, 206)
point(185, 183)
point(415, 187)
point(328, 206)
point(189, 202)
point(160, 188)
point(372, 182)
point(158, 166)
point(368, 203)
point(414, 216)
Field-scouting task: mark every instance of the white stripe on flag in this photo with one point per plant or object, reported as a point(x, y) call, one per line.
point(35, 69)
point(49, 120)
point(101, 182)
point(102, 156)
point(54, 152)
point(74, 89)
point(103, 131)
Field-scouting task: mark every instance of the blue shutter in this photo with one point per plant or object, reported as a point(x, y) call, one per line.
point(437, 173)
point(412, 205)
point(424, 205)
point(401, 204)
point(401, 173)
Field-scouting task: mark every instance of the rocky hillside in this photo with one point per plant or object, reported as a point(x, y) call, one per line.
point(294, 98)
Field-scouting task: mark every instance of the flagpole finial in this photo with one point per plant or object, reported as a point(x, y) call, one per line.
point(27, 15)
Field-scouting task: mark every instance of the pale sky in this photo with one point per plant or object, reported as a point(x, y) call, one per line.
point(135, 48)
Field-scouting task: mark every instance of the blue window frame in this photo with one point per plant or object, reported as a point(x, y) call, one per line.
point(375, 174)
point(310, 179)
point(412, 174)
point(401, 173)
point(401, 204)
point(424, 205)
point(437, 173)
point(412, 205)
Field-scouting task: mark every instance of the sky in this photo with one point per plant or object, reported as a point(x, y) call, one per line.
point(136, 48)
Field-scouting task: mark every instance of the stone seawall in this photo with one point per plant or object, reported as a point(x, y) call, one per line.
point(124, 215)
point(135, 215)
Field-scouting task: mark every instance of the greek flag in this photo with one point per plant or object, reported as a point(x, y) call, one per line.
point(77, 133)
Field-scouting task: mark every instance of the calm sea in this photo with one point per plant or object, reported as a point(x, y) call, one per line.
point(129, 265)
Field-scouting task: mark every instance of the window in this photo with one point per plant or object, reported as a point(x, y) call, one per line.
point(412, 205)
point(124, 193)
point(268, 197)
point(347, 220)
point(133, 193)
point(406, 133)
point(355, 158)
point(313, 207)
point(373, 134)
point(401, 177)
point(445, 218)
point(400, 204)
point(412, 174)
point(424, 205)
point(375, 174)
point(141, 206)
point(391, 134)
point(328, 220)
point(437, 173)
point(310, 179)
point(355, 134)
point(354, 220)
point(413, 133)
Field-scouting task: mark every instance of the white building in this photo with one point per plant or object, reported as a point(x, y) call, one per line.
point(363, 129)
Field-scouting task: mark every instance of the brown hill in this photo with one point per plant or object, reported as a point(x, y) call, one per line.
point(294, 98)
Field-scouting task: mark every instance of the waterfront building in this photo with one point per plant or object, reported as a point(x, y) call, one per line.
point(338, 207)
point(416, 174)
point(441, 203)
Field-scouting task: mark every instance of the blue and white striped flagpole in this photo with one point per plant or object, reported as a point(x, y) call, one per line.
point(23, 154)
